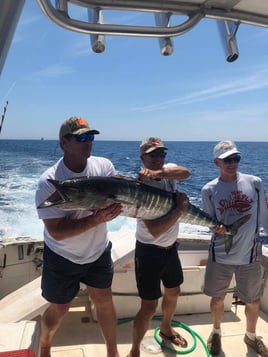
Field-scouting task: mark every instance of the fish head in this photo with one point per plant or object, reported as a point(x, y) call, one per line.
point(83, 193)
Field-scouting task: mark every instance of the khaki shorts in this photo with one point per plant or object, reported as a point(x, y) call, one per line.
point(248, 279)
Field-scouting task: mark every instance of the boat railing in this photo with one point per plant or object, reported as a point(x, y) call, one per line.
point(194, 11)
point(184, 14)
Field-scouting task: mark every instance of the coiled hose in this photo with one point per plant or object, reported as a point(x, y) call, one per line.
point(174, 323)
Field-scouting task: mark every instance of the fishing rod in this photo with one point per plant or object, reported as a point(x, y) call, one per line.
point(3, 116)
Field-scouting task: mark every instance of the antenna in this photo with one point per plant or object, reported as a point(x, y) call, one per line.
point(3, 116)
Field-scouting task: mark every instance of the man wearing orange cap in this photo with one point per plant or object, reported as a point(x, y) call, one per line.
point(76, 246)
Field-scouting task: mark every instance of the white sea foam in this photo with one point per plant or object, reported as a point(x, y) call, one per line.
point(23, 161)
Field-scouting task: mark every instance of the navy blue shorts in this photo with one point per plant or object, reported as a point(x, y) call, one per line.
point(154, 264)
point(61, 278)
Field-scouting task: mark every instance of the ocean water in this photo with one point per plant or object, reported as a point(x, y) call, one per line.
point(23, 161)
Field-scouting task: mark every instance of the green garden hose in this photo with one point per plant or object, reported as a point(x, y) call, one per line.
point(174, 323)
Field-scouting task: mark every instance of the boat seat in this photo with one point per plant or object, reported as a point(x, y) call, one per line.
point(23, 304)
point(19, 339)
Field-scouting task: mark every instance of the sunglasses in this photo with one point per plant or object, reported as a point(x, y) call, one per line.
point(229, 160)
point(160, 154)
point(84, 137)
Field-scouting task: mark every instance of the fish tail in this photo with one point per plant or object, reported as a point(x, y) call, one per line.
point(232, 230)
point(237, 224)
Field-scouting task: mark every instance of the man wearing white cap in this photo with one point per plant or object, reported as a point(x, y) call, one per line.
point(230, 197)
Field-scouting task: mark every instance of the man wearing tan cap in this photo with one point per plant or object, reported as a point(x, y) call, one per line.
point(76, 245)
point(156, 256)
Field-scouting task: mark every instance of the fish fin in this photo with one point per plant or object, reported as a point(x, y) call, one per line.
point(126, 178)
point(52, 200)
point(54, 182)
point(55, 198)
point(232, 231)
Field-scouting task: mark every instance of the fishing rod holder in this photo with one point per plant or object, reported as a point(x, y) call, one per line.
point(228, 30)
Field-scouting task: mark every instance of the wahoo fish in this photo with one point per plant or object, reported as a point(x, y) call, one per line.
point(138, 200)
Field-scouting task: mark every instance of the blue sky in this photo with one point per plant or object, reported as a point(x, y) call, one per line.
point(131, 91)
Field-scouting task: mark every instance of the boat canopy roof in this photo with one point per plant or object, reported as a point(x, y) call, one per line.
point(171, 18)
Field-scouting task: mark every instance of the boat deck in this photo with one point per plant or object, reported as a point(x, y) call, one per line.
point(80, 337)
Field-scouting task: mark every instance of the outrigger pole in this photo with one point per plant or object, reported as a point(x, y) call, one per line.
point(3, 116)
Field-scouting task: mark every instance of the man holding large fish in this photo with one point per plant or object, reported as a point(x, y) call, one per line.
point(76, 245)
point(156, 256)
point(153, 200)
point(227, 198)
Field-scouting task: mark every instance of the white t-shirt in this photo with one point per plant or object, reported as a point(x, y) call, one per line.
point(229, 201)
point(85, 247)
point(170, 236)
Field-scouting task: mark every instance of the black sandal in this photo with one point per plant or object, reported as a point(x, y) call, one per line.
point(173, 339)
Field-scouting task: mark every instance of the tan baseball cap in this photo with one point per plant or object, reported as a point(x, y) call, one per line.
point(76, 126)
point(151, 144)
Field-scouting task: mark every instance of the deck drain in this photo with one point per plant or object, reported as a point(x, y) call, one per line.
point(85, 319)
